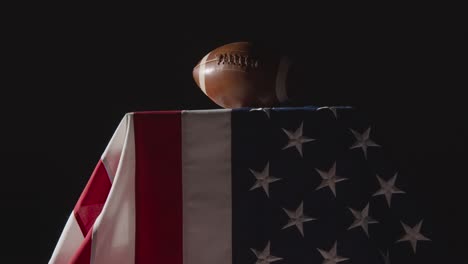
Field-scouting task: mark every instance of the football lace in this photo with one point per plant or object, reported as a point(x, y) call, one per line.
point(238, 60)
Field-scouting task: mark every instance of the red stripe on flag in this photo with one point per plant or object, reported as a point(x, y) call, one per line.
point(92, 199)
point(83, 254)
point(158, 187)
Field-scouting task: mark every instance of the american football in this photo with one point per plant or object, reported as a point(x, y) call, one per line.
point(244, 74)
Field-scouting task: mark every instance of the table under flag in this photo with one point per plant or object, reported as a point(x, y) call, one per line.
point(251, 185)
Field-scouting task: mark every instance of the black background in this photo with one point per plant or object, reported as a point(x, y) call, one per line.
point(69, 76)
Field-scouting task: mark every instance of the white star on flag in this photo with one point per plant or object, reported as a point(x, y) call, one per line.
point(297, 218)
point(264, 257)
point(362, 219)
point(363, 141)
point(413, 235)
point(263, 179)
point(386, 257)
point(331, 256)
point(388, 188)
point(296, 139)
point(329, 179)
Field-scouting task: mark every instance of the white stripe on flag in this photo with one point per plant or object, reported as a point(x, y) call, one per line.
point(69, 242)
point(206, 183)
point(113, 238)
point(111, 155)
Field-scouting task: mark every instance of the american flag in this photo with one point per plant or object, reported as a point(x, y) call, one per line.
point(267, 185)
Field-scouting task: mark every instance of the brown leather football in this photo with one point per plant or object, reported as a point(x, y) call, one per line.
point(243, 74)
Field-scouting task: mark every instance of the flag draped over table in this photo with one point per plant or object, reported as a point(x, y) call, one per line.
point(279, 185)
